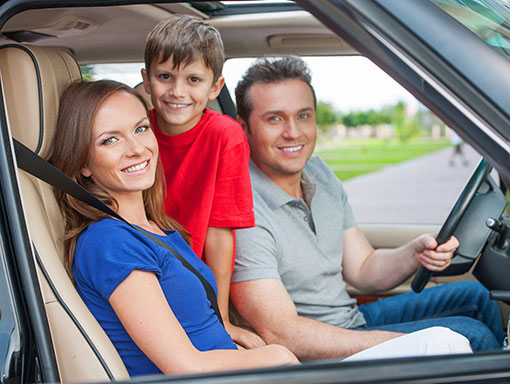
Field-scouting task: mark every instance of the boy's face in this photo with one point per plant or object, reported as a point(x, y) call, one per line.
point(180, 94)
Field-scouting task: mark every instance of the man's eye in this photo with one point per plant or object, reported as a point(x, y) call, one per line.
point(274, 118)
point(304, 116)
point(110, 140)
point(141, 129)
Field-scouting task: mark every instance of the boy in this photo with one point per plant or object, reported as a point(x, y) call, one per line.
point(205, 154)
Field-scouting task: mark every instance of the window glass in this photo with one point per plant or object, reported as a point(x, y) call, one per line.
point(489, 19)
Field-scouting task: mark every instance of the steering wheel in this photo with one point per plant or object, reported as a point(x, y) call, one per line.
point(452, 221)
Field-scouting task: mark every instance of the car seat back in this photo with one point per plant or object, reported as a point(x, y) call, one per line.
point(33, 80)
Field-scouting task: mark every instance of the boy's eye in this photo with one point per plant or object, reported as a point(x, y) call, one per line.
point(164, 76)
point(141, 129)
point(110, 140)
point(194, 79)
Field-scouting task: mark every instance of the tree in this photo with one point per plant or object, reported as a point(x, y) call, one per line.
point(326, 116)
point(406, 126)
point(87, 72)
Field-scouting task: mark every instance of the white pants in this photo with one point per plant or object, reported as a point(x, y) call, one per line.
point(427, 342)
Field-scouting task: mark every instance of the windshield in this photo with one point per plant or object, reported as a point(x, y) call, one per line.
point(489, 19)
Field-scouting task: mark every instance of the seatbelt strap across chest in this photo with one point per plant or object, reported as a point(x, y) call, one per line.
point(45, 171)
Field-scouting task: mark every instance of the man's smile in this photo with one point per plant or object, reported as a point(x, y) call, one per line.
point(294, 148)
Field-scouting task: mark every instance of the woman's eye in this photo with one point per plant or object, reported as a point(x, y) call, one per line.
point(110, 140)
point(141, 129)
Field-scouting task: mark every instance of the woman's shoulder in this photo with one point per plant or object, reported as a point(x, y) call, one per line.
point(107, 233)
point(105, 228)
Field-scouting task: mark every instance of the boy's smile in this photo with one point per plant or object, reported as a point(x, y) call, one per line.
point(180, 94)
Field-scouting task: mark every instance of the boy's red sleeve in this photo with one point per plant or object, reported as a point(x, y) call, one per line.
point(233, 200)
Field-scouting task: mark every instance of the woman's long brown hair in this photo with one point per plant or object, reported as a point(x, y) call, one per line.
point(78, 108)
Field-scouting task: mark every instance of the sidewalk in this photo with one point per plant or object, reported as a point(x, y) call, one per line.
point(421, 190)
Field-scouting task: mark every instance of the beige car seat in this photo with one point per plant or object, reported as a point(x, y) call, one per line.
point(33, 79)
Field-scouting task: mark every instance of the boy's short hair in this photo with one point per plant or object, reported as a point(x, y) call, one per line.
point(185, 39)
point(270, 70)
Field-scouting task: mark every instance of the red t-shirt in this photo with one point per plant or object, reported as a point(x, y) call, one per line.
point(207, 177)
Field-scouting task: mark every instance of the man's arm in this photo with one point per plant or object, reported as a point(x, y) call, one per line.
point(268, 308)
point(374, 270)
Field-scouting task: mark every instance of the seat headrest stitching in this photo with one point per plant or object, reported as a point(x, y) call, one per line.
point(39, 88)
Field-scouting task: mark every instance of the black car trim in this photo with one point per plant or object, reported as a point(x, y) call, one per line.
point(71, 315)
point(246, 9)
point(39, 88)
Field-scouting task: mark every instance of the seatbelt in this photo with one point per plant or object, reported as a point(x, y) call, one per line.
point(226, 103)
point(45, 171)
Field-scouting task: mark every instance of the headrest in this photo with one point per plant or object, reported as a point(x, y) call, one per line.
point(33, 80)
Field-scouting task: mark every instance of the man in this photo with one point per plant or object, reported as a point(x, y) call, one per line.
point(290, 269)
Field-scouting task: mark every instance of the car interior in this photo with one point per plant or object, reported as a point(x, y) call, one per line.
point(40, 56)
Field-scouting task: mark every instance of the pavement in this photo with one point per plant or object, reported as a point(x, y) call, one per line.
point(417, 191)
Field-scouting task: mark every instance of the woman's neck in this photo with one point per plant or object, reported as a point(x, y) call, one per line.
point(133, 211)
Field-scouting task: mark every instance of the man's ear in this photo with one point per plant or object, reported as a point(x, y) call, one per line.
point(146, 84)
point(243, 124)
point(216, 88)
point(85, 171)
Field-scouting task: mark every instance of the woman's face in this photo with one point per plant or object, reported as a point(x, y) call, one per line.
point(123, 150)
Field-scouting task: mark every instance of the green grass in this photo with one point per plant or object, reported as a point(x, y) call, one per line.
point(353, 157)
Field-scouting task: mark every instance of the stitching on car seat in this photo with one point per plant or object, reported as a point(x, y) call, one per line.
point(39, 90)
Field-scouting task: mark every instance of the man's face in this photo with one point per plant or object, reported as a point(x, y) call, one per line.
point(282, 128)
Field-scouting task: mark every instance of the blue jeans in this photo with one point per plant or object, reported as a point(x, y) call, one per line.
point(463, 307)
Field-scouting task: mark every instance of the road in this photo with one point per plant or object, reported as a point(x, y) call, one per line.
point(421, 190)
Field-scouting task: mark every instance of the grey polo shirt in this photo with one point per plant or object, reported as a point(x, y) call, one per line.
point(303, 247)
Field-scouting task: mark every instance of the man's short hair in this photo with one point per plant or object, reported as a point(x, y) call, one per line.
point(185, 39)
point(270, 70)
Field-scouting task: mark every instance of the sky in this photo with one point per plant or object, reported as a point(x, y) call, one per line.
point(348, 83)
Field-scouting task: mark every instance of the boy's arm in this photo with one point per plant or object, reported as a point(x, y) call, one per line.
point(218, 254)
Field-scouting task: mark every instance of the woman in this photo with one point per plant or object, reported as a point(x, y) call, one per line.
point(154, 310)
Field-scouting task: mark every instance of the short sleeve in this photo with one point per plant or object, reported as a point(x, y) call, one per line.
point(233, 202)
point(257, 251)
point(105, 255)
point(349, 220)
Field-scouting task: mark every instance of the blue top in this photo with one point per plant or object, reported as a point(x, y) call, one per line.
point(109, 250)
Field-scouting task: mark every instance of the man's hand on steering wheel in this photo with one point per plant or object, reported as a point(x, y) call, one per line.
point(432, 256)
